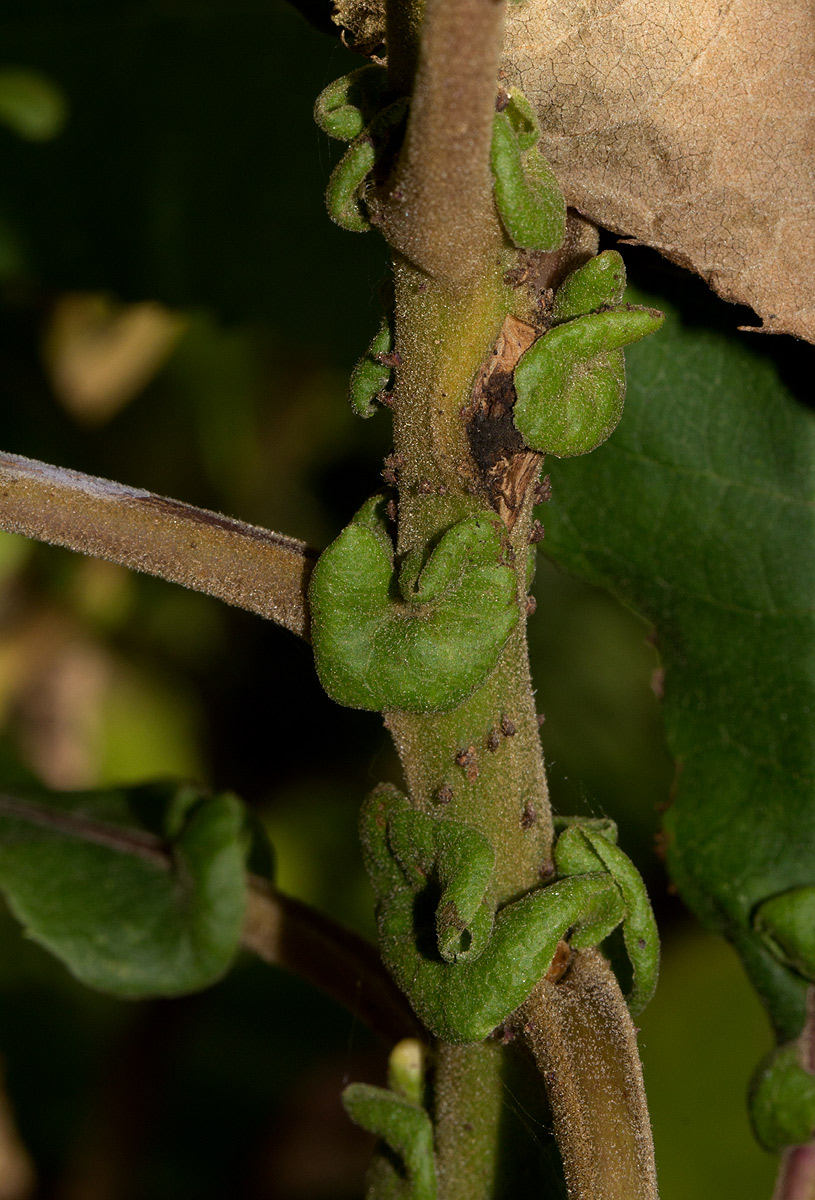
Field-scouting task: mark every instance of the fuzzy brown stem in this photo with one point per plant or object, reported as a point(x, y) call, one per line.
point(242, 564)
point(796, 1176)
point(585, 1045)
point(438, 208)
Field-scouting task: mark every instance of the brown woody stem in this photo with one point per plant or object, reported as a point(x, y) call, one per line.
point(242, 564)
point(438, 208)
point(584, 1042)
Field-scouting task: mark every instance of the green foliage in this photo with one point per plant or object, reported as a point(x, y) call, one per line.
point(699, 514)
point(406, 1130)
point(136, 222)
point(462, 862)
point(463, 973)
point(782, 1100)
point(571, 381)
point(529, 201)
point(139, 892)
point(585, 846)
point(421, 647)
point(787, 924)
point(598, 284)
point(344, 108)
point(345, 194)
point(371, 375)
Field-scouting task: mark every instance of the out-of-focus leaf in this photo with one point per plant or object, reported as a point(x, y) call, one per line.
point(139, 892)
point(31, 104)
point(101, 355)
point(699, 513)
point(699, 1037)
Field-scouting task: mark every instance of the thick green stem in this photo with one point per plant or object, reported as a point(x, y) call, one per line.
point(483, 760)
point(469, 1098)
point(481, 763)
point(437, 208)
point(443, 335)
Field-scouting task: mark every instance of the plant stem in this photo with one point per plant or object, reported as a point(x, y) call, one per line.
point(481, 763)
point(584, 1042)
point(796, 1177)
point(484, 759)
point(469, 1100)
point(242, 564)
point(438, 207)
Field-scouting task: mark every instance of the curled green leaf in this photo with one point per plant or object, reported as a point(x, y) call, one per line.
point(570, 383)
point(139, 892)
point(343, 197)
point(463, 1001)
point(529, 202)
point(406, 1130)
point(344, 108)
point(462, 862)
point(344, 194)
point(426, 649)
point(521, 116)
point(586, 846)
point(786, 925)
point(599, 283)
point(782, 1100)
point(370, 375)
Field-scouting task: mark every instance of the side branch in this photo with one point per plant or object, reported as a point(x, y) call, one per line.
point(439, 210)
point(242, 564)
point(289, 934)
point(585, 1046)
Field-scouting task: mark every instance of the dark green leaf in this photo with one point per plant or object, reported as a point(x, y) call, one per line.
point(139, 892)
point(699, 514)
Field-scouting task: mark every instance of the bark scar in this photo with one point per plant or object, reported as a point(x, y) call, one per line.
point(506, 466)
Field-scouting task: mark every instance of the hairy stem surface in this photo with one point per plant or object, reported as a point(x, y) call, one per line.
point(438, 209)
point(242, 564)
point(481, 763)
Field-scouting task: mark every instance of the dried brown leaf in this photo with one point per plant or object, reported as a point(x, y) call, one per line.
point(688, 126)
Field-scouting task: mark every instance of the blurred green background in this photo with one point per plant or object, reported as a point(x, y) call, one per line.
point(179, 314)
